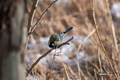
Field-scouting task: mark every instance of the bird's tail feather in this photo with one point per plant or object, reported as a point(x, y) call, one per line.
point(68, 30)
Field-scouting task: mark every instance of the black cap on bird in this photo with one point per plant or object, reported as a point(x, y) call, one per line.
point(57, 39)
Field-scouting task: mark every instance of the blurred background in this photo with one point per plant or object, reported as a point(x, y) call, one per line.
point(91, 58)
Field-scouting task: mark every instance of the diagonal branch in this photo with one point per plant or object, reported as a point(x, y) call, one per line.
point(47, 54)
point(32, 29)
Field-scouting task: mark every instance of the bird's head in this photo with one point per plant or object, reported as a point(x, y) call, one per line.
point(51, 44)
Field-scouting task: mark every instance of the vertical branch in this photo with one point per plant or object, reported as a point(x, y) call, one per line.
point(92, 7)
point(30, 19)
point(31, 14)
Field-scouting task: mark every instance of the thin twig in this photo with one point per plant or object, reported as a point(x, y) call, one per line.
point(96, 78)
point(68, 78)
point(65, 68)
point(31, 14)
point(47, 54)
point(91, 33)
point(100, 39)
point(113, 29)
point(86, 21)
point(80, 71)
point(30, 19)
point(53, 60)
point(31, 31)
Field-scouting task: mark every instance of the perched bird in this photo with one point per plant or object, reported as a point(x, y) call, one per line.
point(57, 39)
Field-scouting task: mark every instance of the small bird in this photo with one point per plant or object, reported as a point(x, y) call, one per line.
point(57, 39)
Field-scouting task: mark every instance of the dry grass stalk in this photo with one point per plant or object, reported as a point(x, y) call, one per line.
point(92, 7)
point(66, 71)
point(90, 34)
point(112, 25)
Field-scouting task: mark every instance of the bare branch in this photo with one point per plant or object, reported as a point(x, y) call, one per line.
point(31, 31)
point(31, 14)
point(47, 54)
point(30, 19)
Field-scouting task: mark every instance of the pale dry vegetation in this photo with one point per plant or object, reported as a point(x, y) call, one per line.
point(78, 14)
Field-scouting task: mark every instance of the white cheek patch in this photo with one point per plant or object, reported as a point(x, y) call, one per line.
point(53, 44)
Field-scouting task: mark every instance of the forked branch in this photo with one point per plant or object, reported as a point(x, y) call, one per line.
point(32, 29)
